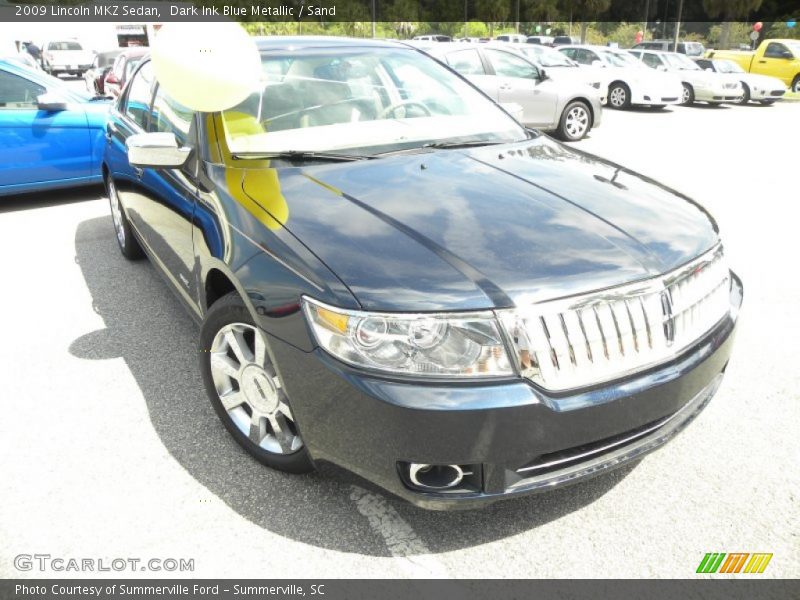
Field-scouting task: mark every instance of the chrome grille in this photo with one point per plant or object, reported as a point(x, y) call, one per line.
point(580, 341)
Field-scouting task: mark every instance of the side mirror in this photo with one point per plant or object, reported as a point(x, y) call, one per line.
point(598, 63)
point(51, 102)
point(662, 68)
point(158, 150)
point(542, 75)
point(787, 54)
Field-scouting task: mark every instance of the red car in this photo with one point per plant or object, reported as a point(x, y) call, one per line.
point(122, 70)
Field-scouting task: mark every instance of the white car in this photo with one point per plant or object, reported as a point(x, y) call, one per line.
point(698, 84)
point(560, 67)
point(629, 81)
point(758, 88)
point(66, 56)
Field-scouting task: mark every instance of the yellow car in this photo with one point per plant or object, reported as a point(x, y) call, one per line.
point(778, 58)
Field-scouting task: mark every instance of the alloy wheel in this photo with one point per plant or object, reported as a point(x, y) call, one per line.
point(116, 212)
point(685, 95)
point(617, 97)
point(577, 122)
point(250, 390)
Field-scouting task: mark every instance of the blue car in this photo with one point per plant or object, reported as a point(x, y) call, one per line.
point(51, 136)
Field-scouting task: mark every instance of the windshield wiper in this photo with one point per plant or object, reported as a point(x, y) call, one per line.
point(456, 144)
point(300, 155)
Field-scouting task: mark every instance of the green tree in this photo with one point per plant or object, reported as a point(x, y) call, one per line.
point(587, 11)
point(494, 11)
point(727, 11)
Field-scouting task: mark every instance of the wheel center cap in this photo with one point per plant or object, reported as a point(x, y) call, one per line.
point(259, 389)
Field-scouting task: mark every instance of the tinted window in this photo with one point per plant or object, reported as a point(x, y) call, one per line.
point(171, 117)
point(139, 95)
point(585, 57)
point(570, 52)
point(18, 92)
point(775, 50)
point(508, 65)
point(466, 62)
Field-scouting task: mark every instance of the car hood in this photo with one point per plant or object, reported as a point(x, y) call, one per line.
point(495, 226)
point(762, 81)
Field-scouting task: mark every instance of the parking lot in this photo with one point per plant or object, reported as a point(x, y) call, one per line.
point(111, 448)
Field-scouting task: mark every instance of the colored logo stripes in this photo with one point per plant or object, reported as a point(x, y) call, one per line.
point(735, 562)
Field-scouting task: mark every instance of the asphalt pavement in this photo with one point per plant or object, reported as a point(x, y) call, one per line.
point(111, 449)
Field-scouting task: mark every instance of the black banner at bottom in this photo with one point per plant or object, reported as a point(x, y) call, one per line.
point(381, 589)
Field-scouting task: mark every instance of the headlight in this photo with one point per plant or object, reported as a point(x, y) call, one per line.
point(455, 344)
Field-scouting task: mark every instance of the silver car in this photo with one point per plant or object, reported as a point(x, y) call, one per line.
point(568, 108)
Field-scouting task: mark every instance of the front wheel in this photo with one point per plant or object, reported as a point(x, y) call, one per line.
point(619, 96)
point(245, 388)
point(576, 121)
point(687, 96)
point(745, 94)
point(796, 85)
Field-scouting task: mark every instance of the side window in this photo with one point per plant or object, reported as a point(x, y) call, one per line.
point(652, 60)
point(137, 104)
point(570, 52)
point(775, 50)
point(17, 92)
point(170, 117)
point(509, 65)
point(466, 62)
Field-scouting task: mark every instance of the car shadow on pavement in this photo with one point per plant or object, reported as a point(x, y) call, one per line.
point(32, 200)
point(148, 327)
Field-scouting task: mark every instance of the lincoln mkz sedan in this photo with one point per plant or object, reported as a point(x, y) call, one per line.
point(392, 275)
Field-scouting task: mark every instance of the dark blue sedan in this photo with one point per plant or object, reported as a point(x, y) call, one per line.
point(51, 136)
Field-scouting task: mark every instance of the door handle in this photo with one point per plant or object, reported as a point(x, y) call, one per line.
point(762, 61)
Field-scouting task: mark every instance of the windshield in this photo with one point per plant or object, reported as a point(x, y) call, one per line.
point(64, 46)
point(547, 57)
point(362, 100)
point(794, 47)
point(727, 66)
point(680, 61)
point(620, 59)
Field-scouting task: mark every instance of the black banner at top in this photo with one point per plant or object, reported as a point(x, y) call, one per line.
point(443, 11)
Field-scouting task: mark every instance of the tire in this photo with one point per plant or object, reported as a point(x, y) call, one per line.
point(245, 389)
point(575, 123)
point(687, 98)
point(619, 95)
point(745, 94)
point(128, 244)
point(796, 84)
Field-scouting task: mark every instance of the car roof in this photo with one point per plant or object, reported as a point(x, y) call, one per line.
point(295, 42)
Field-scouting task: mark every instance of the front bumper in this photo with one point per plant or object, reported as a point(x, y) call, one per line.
point(656, 95)
point(718, 94)
point(516, 438)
